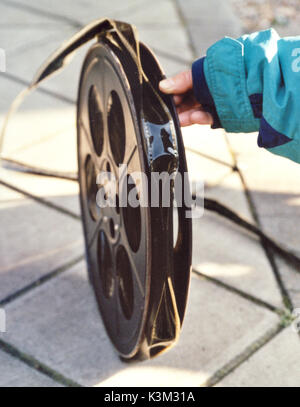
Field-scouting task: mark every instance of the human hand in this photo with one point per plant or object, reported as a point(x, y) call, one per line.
point(188, 108)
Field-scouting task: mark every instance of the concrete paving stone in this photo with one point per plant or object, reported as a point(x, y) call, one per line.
point(83, 11)
point(170, 66)
point(65, 82)
point(58, 153)
point(158, 13)
point(19, 42)
point(179, 53)
point(274, 185)
point(34, 241)
point(14, 373)
point(208, 22)
point(231, 194)
point(224, 251)
point(59, 324)
point(40, 117)
point(205, 171)
point(45, 138)
point(22, 17)
point(275, 189)
point(169, 63)
point(291, 280)
point(275, 365)
point(207, 141)
point(61, 192)
point(33, 40)
point(37, 100)
point(203, 140)
point(8, 195)
point(42, 134)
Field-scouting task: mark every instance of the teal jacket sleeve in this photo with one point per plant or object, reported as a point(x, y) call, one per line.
point(253, 84)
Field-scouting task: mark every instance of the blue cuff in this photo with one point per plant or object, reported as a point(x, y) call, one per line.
point(202, 93)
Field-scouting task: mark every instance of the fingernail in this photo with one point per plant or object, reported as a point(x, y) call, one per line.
point(167, 84)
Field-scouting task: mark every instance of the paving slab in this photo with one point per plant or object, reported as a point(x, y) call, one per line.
point(201, 139)
point(230, 192)
point(29, 37)
point(59, 324)
point(291, 280)
point(58, 153)
point(173, 60)
point(14, 373)
point(209, 141)
point(61, 192)
point(45, 138)
point(205, 171)
point(274, 185)
point(79, 12)
point(39, 118)
point(34, 241)
point(207, 22)
point(224, 251)
point(275, 365)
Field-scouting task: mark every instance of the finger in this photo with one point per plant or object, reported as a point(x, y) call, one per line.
point(188, 104)
point(178, 84)
point(185, 118)
point(195, 116)
point(201, 117)
point(177, 99)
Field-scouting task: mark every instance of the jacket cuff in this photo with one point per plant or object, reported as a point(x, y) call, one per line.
point(202, 93)
point(226, 78)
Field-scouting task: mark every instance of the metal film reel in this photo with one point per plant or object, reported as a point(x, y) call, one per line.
point(140, 278)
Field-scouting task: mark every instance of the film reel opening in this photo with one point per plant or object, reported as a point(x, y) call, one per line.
point(132, 214)
point(96, 119)
point(91, 187)
point(116, 127)
point(125, 282)
point(105, 264)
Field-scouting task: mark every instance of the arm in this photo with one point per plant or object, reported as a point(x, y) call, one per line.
point(253, 84)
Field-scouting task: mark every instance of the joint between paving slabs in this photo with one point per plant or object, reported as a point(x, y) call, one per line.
point(243, 356)
point(35, 364)
point(42, 280)
point(185, 25)
point(280, 312)
point(39, 89)
point(35, 10)
point(42, 201)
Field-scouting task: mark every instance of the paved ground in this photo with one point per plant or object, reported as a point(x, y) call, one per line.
point(238, 328)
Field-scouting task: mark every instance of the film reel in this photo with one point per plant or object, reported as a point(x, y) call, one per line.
point(140, 279)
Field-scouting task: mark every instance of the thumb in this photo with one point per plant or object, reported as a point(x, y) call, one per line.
point(177, 84)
